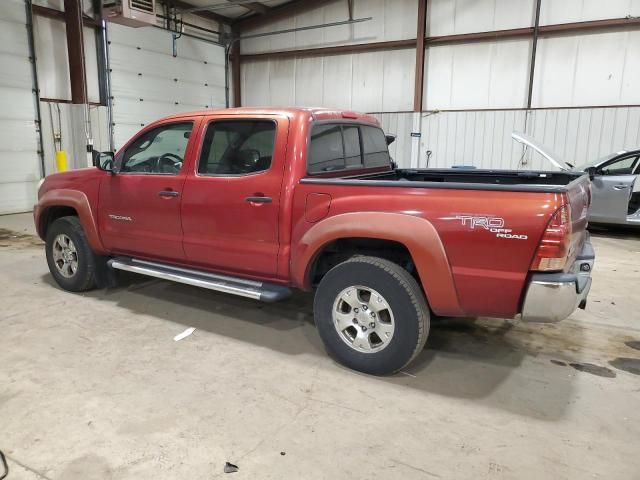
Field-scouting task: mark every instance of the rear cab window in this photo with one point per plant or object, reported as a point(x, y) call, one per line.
point(337, 146)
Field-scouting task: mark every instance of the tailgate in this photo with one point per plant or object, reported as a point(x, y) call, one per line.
point(579, 198)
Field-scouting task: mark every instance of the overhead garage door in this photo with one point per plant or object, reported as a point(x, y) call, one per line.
point(19, 160)
point(148, 82)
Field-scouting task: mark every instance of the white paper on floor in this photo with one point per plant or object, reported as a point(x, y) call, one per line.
point(184, 334)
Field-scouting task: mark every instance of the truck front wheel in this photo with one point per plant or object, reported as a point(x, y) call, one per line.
point(371, 315)
point(71, 261)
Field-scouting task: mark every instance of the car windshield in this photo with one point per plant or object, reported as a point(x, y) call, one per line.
point(599, 161)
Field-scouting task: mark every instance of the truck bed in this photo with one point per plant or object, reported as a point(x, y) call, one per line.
point(509, 180)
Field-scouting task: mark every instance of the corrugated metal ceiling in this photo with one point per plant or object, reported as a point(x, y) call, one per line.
point(233, 9)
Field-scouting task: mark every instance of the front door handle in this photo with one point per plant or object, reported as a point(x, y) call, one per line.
point(168, 193)
point(621, 187)
point(259, 199)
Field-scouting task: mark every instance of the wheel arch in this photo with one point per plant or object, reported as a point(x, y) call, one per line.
point(417, 235)
point(63, 202)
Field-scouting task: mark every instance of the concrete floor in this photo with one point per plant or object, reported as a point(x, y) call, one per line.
point(94, 387)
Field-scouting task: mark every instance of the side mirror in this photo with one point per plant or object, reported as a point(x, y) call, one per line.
point(592, 172)
point(103, 160)
point(390, 138)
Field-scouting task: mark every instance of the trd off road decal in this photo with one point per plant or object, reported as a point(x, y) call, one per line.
point(492, 224)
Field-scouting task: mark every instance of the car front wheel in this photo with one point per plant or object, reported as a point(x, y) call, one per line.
point(71, 261)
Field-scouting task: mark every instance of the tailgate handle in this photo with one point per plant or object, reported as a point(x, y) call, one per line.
point(621, 187)
point(259, 199)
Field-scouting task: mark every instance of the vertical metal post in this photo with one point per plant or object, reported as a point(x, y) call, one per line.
point(103, 84)
point(534, 47)
point(75, 48)
point(235, 72)
point(36, 87)
point(107, 67)
point(420, 44)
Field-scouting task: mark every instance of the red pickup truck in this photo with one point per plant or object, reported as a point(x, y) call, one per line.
point(254, 202)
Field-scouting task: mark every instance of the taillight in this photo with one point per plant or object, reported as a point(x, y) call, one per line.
point(553, 251)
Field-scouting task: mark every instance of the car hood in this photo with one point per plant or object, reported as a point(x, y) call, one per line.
point(529, 141)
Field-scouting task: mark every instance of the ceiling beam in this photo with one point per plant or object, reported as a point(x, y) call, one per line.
point(281, 11)
point(336, 50)
point(182, 5)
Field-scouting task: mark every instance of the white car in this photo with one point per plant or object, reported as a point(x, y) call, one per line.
point(615, 187)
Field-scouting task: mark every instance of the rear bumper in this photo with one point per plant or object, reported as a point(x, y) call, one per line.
point(552, 297)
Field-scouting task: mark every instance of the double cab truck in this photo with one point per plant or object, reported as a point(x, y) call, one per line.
point(259, 201)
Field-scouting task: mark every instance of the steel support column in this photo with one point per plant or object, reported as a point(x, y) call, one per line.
point(75, 49)
point(419, 81)
point(534, 48)
point(236, 73)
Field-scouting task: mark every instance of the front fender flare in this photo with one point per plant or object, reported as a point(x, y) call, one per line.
point(417, 234)
point(80, 203)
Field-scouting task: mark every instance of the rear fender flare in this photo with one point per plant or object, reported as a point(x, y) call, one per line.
point(80, 203)
point(418, 235)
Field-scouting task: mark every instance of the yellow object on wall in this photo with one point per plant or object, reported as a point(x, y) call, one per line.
point(62, 165)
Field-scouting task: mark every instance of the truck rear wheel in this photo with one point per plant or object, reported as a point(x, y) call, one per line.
point(71, 261)
point(371, 315)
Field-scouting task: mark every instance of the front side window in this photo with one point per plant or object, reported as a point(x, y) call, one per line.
point(160, 150)
point(237, 147)
point(623, 166)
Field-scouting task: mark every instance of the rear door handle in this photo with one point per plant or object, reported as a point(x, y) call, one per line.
point(168, 193)
point(621, 187)
point(259, 199)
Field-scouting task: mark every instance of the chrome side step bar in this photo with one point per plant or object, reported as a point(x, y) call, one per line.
point(265, 292)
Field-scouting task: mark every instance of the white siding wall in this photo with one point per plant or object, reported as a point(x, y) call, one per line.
point(483, 138)
point(448, 17)
point(565, 11)
point(372, 82)
point(19, 161)
point(477, 75)
point(588, 69)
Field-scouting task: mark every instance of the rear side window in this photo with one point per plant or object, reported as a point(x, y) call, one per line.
point(374, 145)
point(343, 146)
point(326, 152)
point(237, 147)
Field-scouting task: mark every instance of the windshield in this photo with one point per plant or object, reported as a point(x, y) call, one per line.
point(600, 161)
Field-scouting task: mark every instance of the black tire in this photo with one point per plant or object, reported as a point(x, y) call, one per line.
point(84, 278)
point(405, 299)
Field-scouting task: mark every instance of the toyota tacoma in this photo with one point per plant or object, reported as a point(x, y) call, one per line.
point(259, 201)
